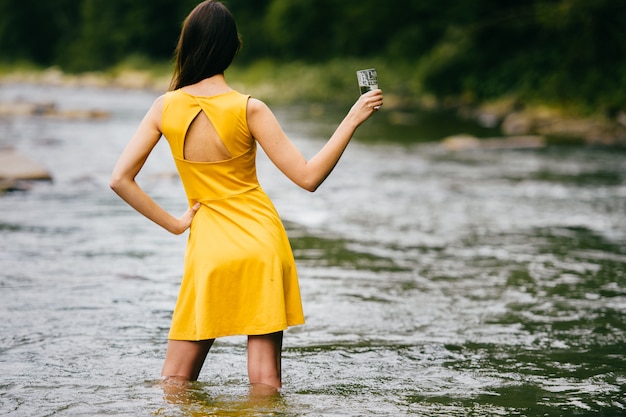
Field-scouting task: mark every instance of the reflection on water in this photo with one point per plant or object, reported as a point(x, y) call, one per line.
point(434, 282)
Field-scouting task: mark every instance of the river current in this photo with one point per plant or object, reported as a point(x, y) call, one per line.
point(434, 283)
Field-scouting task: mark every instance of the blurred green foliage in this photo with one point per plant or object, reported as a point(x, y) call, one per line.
point(567, 51)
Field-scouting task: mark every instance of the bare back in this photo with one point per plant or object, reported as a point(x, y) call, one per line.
point(202, 143)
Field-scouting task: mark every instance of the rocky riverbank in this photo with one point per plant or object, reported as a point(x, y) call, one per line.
point(17, 171)
point(510, 115)
point(20, 108)
point(129, 79)
point(514, 119)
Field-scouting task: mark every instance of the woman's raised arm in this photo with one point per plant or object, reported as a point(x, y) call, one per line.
point(284, 154)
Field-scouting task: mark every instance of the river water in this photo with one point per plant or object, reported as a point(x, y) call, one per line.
point(435, 283)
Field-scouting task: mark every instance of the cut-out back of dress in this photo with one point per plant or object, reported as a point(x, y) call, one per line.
point(203, 143)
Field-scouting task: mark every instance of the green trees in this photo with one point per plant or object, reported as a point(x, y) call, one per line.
point(567, 50)
point(107, 32)
point(35, 31)
point(80, 35)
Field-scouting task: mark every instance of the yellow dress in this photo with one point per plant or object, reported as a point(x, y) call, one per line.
point(239, 274)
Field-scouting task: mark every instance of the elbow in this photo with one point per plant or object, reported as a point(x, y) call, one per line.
point(113, 184)
point(116, 184)
point(312, 183)
point(307, 181)
point(312, 189)
point(310, 186)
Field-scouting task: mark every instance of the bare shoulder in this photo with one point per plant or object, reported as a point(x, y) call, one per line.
point(156, 111)
point(256, 107)
point(158, 103)
point(258, 115)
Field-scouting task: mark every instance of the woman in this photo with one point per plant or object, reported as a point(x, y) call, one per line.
point(239, 275)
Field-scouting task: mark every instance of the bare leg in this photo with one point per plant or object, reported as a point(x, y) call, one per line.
point(184, 359)
point(264, 352)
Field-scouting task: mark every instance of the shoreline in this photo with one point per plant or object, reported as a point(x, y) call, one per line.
point(509, 114)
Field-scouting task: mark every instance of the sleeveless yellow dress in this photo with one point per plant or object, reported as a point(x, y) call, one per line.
point(239, 273)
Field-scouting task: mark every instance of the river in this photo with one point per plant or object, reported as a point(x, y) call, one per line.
point(434, 283)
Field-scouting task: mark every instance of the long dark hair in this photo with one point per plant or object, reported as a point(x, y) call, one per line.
point(207, 45)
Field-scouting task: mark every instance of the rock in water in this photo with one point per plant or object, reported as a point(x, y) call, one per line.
point(16, 170)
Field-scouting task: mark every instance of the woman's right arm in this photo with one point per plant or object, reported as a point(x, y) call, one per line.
point(130, 163)
point(284, 154)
